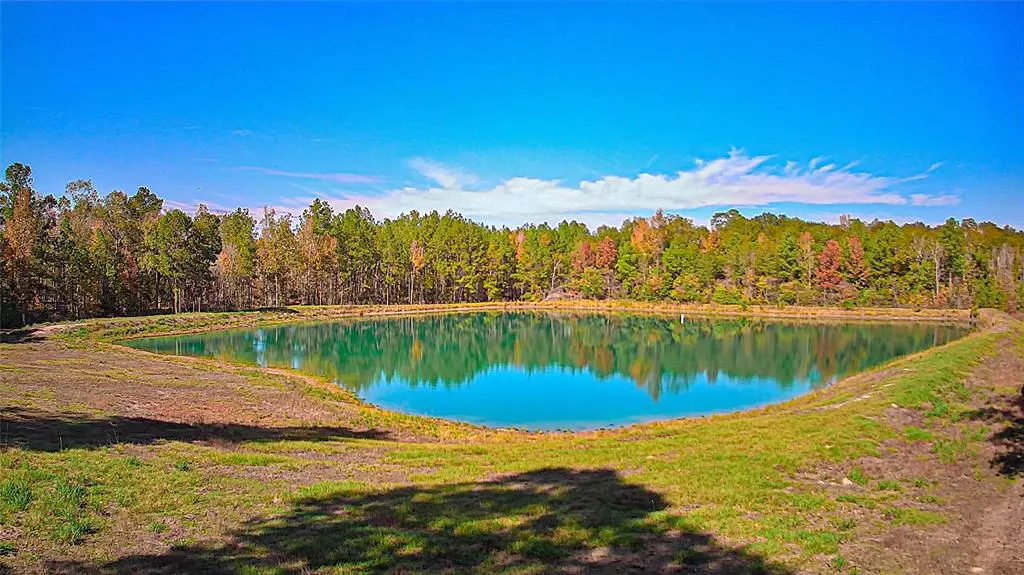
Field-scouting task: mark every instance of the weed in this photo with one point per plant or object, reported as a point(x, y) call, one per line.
point(888, 485)
point(66, 509)
point(951, 450)
point(15, 495)
point(914, 433)
point(71, 530)
point(858, 500)
point(912, 516)
point(857, 476)
point(251, 459)
point(844, 523)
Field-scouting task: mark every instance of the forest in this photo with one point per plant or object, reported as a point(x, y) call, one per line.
point(80, 254)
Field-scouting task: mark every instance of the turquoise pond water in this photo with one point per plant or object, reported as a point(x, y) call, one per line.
point(565, 371)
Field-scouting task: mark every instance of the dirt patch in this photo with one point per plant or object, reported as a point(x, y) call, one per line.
point(919, 513)
point(106, 398)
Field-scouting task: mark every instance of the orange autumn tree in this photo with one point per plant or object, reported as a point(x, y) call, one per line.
point(827, 273)
point(856, 268)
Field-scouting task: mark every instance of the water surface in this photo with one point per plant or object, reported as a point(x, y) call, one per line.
point(566, 370)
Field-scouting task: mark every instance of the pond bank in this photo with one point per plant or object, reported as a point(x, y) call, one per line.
point(910, 467)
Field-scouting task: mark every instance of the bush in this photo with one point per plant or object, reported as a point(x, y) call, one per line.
point(591, 284)
point(686, 288)
point(727, 296)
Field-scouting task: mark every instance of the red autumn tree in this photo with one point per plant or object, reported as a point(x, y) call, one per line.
point(827, 274)
point(606, 254)
point(856, 268)
point(647, 239)
point(583, 257)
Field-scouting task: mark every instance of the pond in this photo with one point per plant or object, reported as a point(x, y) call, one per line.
point(548, 371)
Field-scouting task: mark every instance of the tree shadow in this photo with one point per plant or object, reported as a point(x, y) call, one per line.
point(553, 520)
point(44, 431)
point(275, 309)
point(25, 335)
point(1009, 438)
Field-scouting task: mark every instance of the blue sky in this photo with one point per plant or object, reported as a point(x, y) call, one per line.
point(527, 112)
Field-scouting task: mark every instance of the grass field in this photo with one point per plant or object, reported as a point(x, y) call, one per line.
point(115, 460)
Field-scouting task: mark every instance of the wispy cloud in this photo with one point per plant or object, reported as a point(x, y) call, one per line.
point(737, 179)
point(309, 190)
point(835, 217)
point(936, 200)
point(242, 132)
point(337, 177)
point(191, 207)
point(449, 178)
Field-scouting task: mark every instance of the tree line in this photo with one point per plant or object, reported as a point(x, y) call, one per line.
point(80, 255)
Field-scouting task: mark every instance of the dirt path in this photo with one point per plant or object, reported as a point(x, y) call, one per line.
point(981, 495)
point(1001, 536)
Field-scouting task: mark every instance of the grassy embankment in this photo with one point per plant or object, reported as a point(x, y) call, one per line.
point(793, 486)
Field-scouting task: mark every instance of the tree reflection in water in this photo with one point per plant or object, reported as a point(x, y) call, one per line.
point(660, 354)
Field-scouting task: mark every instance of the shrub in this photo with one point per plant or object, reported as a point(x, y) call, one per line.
point(727, 296)
point(15, 495)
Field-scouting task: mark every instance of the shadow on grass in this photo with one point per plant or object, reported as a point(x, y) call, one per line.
point(1009, 437)
point(44, 431)
point(27, 335)
point(273, 309)
point(552, 520)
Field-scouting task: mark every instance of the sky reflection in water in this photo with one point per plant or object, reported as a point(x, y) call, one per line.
point(566, 370)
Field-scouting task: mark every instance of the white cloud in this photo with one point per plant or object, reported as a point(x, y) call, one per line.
point(737, 179)
point(868, 217)
point(449, 178)
point(337, 177)
point(937, 200)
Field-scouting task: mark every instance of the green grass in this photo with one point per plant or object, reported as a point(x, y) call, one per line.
point(911, 516)
point(857, 476)
point(506, 502)
point(888, 485)
point(15, 495)
point(251, 459)
point(914, 433)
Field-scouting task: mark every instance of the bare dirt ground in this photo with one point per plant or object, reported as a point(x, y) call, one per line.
point(982, 494)
point(178, 397)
